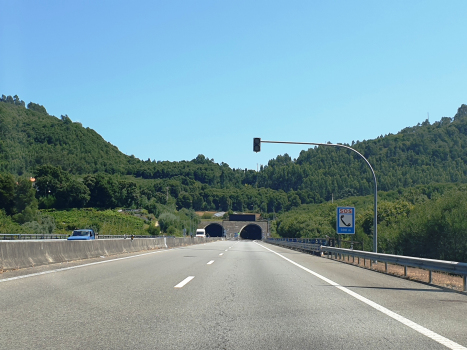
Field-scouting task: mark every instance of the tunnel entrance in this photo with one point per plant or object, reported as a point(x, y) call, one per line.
point(252, 232)
point(214, 230)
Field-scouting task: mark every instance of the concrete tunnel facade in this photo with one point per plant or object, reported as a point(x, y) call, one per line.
point(245, 229)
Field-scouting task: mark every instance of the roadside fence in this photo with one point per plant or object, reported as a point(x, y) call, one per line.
point(21, 236)
point(352, 256)
point(303, 244)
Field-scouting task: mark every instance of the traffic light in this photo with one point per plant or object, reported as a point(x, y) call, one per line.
point(256, 144)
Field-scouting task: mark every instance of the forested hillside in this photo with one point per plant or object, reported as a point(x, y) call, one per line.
point(74, 168)
point(423, 154)
point(30, 137)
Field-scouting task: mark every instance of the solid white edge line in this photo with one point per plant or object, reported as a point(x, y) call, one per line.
point(426, 332)
point(209, 263)
point(185, 281)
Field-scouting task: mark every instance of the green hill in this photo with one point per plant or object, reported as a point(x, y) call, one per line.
point(423, 154)
point(30, 137)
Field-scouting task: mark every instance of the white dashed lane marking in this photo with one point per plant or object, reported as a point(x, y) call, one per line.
point(184, 282)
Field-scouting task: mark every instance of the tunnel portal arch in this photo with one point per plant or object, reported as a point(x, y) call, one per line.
point(214, 230)
point(251, 231)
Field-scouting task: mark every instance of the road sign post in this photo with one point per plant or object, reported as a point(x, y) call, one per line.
point(345, 220)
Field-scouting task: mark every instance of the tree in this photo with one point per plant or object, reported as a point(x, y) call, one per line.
point(436, 229)
point(66, 191)
point(72, 194)
point(66, 119)
point(154, 230)
point(128, 194)
point(7, 193)
point(36, 107)
point(103, 189)
point(294, 200)
point(17, 101)
point(49, 179)
point(197, 202)
point(184, 200)
point(24, 194)
point(225, 202)
point(167, 220)
point(25, 203)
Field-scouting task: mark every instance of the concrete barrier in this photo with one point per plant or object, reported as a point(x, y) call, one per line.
point(21, 254)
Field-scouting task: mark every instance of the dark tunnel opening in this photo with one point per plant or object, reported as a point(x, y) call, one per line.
point(214, 230)
point(251, 232)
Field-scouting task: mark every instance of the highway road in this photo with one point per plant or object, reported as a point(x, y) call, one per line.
point(224, 295)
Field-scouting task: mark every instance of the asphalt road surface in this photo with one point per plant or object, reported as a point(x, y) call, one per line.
point(224, 295)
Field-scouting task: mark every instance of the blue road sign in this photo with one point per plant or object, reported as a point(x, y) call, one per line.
point(346, 220)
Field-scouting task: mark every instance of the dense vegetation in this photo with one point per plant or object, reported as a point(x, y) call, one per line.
point(424, 154)
point(420, 171)
point(425, 221)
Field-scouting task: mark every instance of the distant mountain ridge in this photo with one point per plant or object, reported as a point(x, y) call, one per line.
point(30, 137)
point(422, 154)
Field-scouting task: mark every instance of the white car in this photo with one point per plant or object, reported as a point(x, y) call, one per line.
point(201, 232)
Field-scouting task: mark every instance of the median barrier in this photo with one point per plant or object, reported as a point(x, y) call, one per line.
point(21, 254)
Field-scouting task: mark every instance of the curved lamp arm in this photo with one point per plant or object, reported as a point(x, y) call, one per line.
point(375, 219)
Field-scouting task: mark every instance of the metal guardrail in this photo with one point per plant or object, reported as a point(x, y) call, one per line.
point(453, 267)
point(128, 236)
point(304, 244)
point(431, 265)
point(20, 236)
point(322, 241)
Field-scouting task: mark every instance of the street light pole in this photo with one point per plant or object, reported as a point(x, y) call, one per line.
point(257, 147)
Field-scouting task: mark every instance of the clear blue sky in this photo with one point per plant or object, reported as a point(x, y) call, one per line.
point(169, 80)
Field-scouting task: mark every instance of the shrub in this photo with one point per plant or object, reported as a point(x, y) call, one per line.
point(154, 230)
point(206, 216)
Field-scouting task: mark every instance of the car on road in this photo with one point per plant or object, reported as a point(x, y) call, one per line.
point(201, 232)
point(82, 235)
